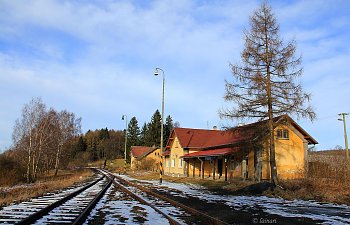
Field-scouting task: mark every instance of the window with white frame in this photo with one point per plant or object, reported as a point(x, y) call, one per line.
point(173, 163)
point(180, 163)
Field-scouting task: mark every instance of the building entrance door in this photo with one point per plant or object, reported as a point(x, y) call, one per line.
point(220, 167)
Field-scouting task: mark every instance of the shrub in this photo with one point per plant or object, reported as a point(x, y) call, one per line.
point(148, 164)
point(11, 172)
point(328, 166)
point(80, 160)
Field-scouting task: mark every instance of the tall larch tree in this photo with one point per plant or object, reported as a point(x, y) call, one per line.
point(265, 84)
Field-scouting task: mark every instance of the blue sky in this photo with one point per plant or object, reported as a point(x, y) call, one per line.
point(97, 59)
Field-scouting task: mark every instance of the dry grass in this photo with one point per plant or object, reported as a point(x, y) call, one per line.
point(328, 180)
point(111, 165)
point(44, 184)
point(323, 190)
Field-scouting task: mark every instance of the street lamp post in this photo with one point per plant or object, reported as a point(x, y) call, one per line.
point(124, 117)
point(156, 73)
point(345, 135)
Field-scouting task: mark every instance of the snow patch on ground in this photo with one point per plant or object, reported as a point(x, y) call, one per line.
point(329, 213)
point(125, 211)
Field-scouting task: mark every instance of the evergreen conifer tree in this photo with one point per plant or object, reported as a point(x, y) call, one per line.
point(133, 132)
point(143, 135)
point(154, 129)
point(168, 128)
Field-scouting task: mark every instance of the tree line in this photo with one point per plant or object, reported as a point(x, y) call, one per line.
point(105, 144)
point(46, 140)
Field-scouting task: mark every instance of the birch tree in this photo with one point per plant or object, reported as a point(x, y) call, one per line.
point(266, 83)
point(26, 130)
point(43, 140)
point(68, 127)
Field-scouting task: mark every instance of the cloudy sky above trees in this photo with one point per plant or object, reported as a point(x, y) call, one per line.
point(97, 59)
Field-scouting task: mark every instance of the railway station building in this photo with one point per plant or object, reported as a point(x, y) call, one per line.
point(241, 152)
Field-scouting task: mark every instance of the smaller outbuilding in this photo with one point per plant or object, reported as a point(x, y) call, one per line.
point(144, 158)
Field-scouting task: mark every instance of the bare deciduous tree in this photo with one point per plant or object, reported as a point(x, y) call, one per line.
point(68, 127)
point(39, 132)
point(265, 85)
point(26, 131)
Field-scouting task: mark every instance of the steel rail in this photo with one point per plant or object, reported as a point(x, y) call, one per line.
point(85, 213)
point(39, 214)
point(138, 198)
point(213, 220)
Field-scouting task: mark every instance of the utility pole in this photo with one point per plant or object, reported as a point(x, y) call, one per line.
point(156, 73)
point(124, 117)
point(345, 135)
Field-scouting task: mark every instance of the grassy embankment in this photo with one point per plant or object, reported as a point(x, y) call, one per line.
point(44, 184)
point(49, 183)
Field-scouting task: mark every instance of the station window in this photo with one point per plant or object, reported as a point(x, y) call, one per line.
point(180, 163)
point(238, 166)
point(232, 164)
point(173, 163)
point(282, 134)
point(168, 163)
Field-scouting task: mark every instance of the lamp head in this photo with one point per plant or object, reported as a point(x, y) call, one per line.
point(156, 73)
point(122, 117)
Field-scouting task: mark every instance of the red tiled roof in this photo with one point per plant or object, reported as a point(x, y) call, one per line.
point(138, 151)
point(200, 138)
point(205, 139)
point(166, 152)
point(213, 152)
point(218, 140)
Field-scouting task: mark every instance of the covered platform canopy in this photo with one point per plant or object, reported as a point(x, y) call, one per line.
point(211, 152)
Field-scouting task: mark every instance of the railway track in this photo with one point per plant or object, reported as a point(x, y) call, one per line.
point(175, 212)
point(86, 205)
point(71, 206)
